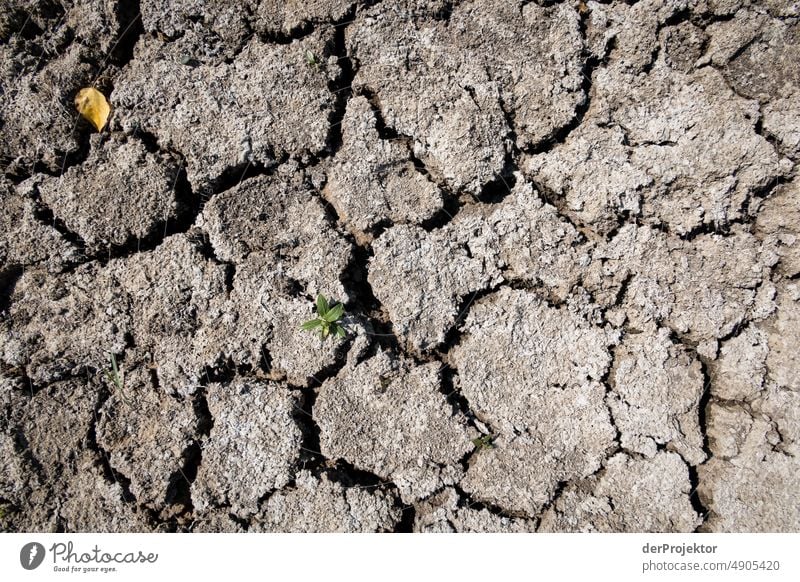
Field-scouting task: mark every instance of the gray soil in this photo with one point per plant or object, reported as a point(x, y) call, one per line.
point(566, 234)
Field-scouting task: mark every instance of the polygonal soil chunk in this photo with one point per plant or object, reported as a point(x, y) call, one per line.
point(782, 408)
point(527, 239)
point(227, 21)
point(252, 448)
point(49, 475)
point(120, 193)
point(24, 239)
point(521, 473)
point(388, 417)
point(682, 151)
point(282, 219)
point(783, 361)
point(58, 326)
point(728, 425)
point(231, 23)
point(445, 513)
point(216, 522)
point(729, 36)
point(629, 495)
point(146, 434)
point(444, 84)
point(707, 124)
point(703, 288)
point(93, 504)
point(516, 348)
point(757, 53)
point(37, 122)
point(259, 324)
point(595, 189)
point(683, 45)
point(739, 372)
point(778, 225)
point(48, 51)
point(374, 180)
point(657, 387)
point(167, 290)
point(321, 505)
point(287, 16)
point(627, 36)
point(422, 277)
point(760, 496)
point(750, 484)
point(782, 120)
point(50, 425)
point(531, 373)
point(266, 104)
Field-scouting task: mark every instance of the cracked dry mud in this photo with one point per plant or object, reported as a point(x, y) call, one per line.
point(567, 236)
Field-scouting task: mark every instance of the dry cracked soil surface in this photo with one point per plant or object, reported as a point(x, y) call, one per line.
point(566, 234)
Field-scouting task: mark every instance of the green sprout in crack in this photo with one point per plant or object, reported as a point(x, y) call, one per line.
point(328, 319)
point(115, 378)
point(312, 60)
point(484, 442)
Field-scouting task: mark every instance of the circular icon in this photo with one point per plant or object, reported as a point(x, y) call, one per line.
point(31, 555)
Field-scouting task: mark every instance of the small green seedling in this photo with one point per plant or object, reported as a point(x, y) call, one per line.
point(312, 60)
point(328, 318)
point(114, 377)
point(484, 442)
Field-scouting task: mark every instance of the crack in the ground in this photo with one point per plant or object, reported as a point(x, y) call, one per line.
point(356, 280)
point(558, 491)
point(559, 203)
point(341, 87)
point(111, 474)
point(590, 65)
point(8, 281)
point(467, 500)
point(452, 202)
point(190, 206)
point(180, 483)
point(43, 214)
point(454, 334)
point(337, 470)
point(179, 493)
point(130, 15)
point(298, 32)
point(311, 457)
point(702, 410)
point(460, 404)
point(202, 243)
point(608, 382)
point(747, 219)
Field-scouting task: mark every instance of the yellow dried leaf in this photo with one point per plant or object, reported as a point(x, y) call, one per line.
point(92, 104)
